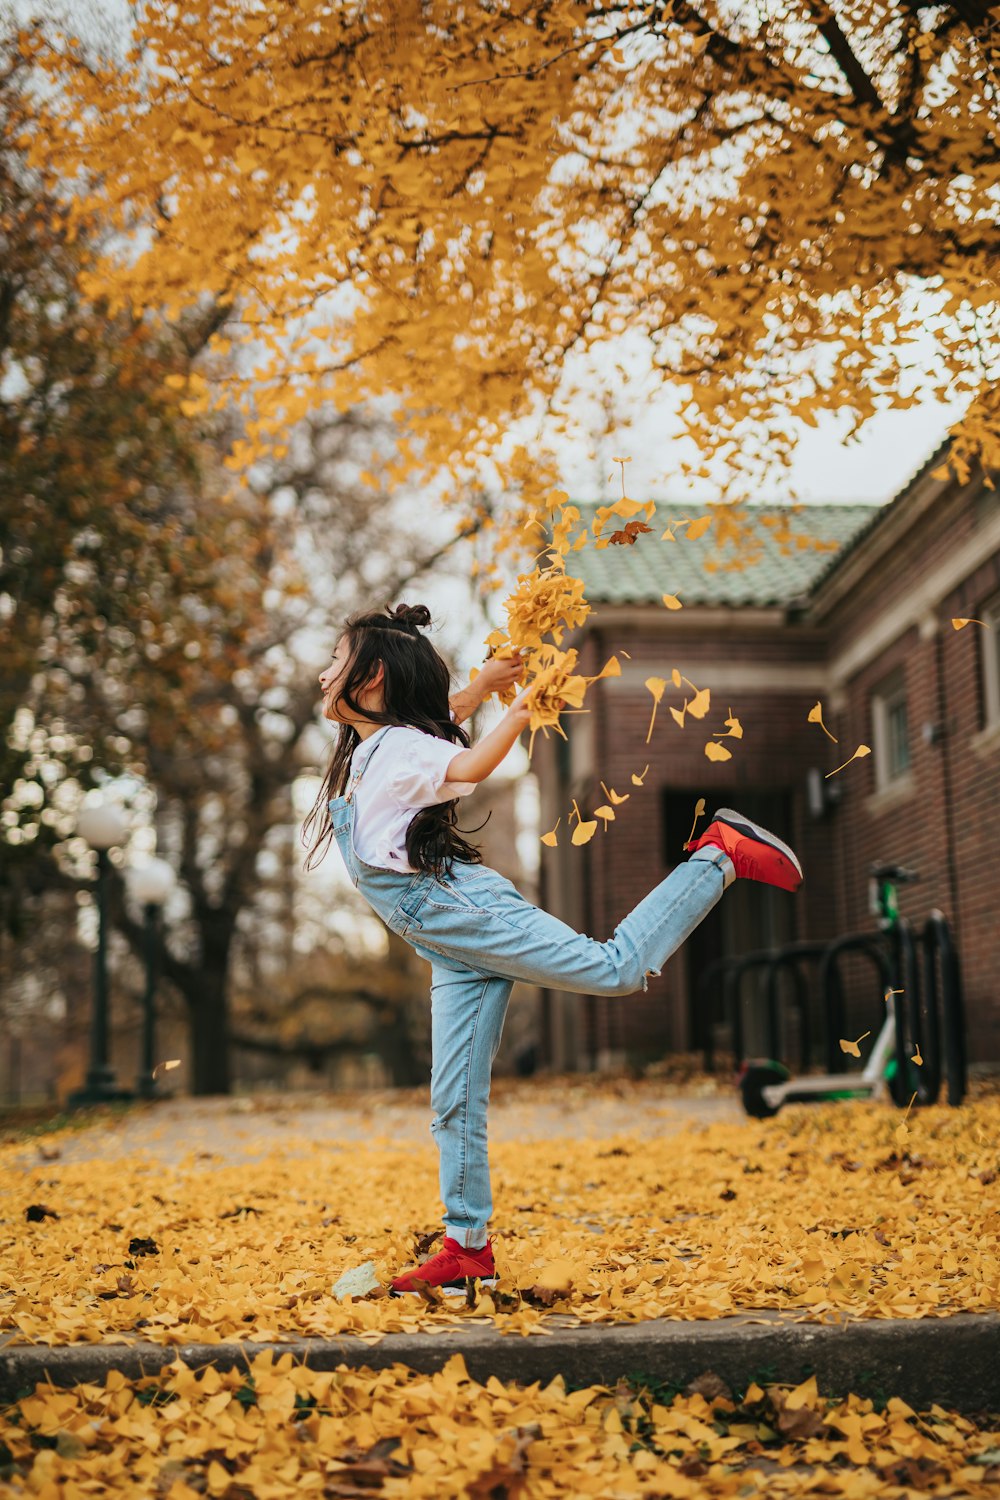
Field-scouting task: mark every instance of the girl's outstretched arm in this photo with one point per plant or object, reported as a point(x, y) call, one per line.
point(476, 763)
point(494, 676)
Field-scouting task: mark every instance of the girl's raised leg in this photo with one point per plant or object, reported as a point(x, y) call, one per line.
point(483, 921)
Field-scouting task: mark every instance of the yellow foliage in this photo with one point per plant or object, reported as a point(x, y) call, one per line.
point(250, 1249)
point(405, 1435)
point(434, 189)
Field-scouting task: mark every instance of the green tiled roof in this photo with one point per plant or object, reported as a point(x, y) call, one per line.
point(701, 572)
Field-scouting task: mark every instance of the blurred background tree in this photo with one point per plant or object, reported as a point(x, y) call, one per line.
point(162, 630)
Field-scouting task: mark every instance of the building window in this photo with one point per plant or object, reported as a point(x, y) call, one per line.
point(990, 616)
point(890, 730)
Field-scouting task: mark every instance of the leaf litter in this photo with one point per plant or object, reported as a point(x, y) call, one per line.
point(831, 1211)
point(818, 1211)
point(277, 1429)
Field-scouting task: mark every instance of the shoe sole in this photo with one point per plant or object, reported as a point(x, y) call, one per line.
point(743, 825)
point(450, 1288)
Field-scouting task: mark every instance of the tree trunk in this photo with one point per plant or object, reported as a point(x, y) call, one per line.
point(208, 1023)
point(395, 1045)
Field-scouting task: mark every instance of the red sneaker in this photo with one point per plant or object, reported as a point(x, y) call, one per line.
point(755, 853)
point(450, 1268)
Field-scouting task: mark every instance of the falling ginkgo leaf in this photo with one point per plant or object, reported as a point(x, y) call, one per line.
point(677, 714)
point(615, 797)
point(861, 750)
point(901, 1130)
point(700, 704)
point(605, 812)
point(961, 623)
point(815, 716)
point(638, 780)
point(717, 752)
point(656, 686)
point(916, 1058)
point(733, 729)
point(698, 528)
point(676, 678)
point(672, 601)
point(164, 1067)
point(584, 832)
point(628, 535)
point(852, 1047)
point(550, 837)
point(699, 809)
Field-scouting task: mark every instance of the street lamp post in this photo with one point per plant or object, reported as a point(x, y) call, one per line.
point(103, 826)
point(151, 884)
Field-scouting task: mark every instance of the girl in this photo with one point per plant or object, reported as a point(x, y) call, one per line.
point(400, 764)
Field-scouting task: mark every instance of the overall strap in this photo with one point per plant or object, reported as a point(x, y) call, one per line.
point(358, 774)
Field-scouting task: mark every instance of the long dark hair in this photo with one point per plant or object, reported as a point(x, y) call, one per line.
point(415, 682)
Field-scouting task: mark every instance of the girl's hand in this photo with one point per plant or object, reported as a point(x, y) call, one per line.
point(497, 674)
point(519, 713)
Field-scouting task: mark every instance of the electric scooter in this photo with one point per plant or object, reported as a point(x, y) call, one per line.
point(765, 1085)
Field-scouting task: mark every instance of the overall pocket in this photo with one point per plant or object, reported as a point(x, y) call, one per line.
point(403, 917)
point(484, 893)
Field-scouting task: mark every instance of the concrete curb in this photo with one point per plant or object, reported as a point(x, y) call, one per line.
point(953, 1361)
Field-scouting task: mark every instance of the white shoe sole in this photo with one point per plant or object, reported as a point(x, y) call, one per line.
point(744, 824)
point(487, 1282)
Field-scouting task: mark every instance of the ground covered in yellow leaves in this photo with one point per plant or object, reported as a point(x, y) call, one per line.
point(279, 1429)
point(838, 1210)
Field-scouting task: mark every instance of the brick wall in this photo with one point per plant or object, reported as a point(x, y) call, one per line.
point(943, 818)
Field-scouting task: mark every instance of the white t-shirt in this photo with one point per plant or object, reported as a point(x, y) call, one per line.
point(407, 772)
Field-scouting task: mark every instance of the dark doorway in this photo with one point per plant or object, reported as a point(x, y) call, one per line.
point(750, 915)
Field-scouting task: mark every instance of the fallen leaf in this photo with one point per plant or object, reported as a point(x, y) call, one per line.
point(357, 1282)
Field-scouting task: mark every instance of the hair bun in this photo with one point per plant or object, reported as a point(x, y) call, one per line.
point(414, 616)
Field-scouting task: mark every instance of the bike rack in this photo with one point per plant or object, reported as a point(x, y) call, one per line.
point(929, 1009)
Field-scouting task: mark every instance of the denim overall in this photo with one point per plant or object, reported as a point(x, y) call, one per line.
point(479, 935)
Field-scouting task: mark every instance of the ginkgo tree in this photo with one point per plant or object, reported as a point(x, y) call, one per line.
point(795, 202)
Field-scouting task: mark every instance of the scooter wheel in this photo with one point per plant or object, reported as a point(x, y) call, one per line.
point(753, 1078)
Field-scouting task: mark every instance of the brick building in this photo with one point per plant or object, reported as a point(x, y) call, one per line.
point(864, 628)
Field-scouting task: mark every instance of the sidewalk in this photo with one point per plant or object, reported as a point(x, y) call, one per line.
point(251, 1126)
point(641, 1227)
